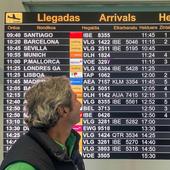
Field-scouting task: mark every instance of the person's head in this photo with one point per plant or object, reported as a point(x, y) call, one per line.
point(49, 100)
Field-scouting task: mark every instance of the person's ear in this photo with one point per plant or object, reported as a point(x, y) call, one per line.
point(62, 111)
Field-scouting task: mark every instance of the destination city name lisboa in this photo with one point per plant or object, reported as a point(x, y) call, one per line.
point(43, 17)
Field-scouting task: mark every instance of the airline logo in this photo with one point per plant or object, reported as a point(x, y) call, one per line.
point(76, 55)
point(13, 18)
point(76, 74)
point(76, 61)
point(77, 128)
point(76, 45)
point(81, 114)
point(78, 89)
point(76, 34)
point(76, 71)
point(76, 81)
point(76, 68)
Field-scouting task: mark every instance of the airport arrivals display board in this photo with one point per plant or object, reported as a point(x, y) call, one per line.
point(118, 65)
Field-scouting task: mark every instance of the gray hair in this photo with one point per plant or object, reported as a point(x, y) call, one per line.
point(43, 99)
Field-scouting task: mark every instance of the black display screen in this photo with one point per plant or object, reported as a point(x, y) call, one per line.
point(119, 66)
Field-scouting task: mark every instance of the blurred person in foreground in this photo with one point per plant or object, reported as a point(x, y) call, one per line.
point(50, 144)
